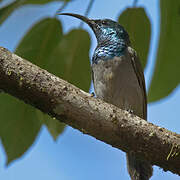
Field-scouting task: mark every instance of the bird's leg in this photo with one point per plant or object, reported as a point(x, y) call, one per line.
point(92, 94)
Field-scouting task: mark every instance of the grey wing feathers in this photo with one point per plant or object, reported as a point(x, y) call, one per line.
point(140, 75)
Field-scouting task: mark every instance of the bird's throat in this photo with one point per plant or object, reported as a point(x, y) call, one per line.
point(108, 51)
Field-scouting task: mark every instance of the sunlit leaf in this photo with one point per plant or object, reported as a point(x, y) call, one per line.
point(19, 126)
point(73, 64)
point(53, 125)
point(37, 46)
point(166, 76)
point(138, 26)
point(66, 56)
point(56, 128)
point(6, 11)
point(42, 1)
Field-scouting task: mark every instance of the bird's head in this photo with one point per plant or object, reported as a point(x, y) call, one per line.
point(106, 30)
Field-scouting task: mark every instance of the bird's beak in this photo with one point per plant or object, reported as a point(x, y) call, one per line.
point(90, 22)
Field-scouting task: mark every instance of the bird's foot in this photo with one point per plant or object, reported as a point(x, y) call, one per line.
point(92, 94)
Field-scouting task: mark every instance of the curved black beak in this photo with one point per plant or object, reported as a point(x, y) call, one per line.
point(90, 22)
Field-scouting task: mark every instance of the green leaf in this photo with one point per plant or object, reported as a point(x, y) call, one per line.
point(73, 64)
point(67, 57)
point(138, 26)
point(53, 125)
point(166, 75)
point(39, 43)
point(42, 1)
point(19, 126)
point(56, 128)
point(7, 10)
point(37, 46)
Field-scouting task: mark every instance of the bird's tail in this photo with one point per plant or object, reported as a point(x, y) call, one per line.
point(138, 169)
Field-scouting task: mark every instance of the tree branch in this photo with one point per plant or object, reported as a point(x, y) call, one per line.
point(90, 115)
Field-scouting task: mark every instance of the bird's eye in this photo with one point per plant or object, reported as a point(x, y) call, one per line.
point(104, 22)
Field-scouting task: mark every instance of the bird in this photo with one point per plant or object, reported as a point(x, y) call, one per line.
point(118, 79)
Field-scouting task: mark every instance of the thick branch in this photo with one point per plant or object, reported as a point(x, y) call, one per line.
point(92, 116)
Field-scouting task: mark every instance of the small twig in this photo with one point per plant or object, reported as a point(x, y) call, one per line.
point(62, 7)
point(87, 11)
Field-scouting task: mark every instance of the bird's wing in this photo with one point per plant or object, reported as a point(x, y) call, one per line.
point(140, 76)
